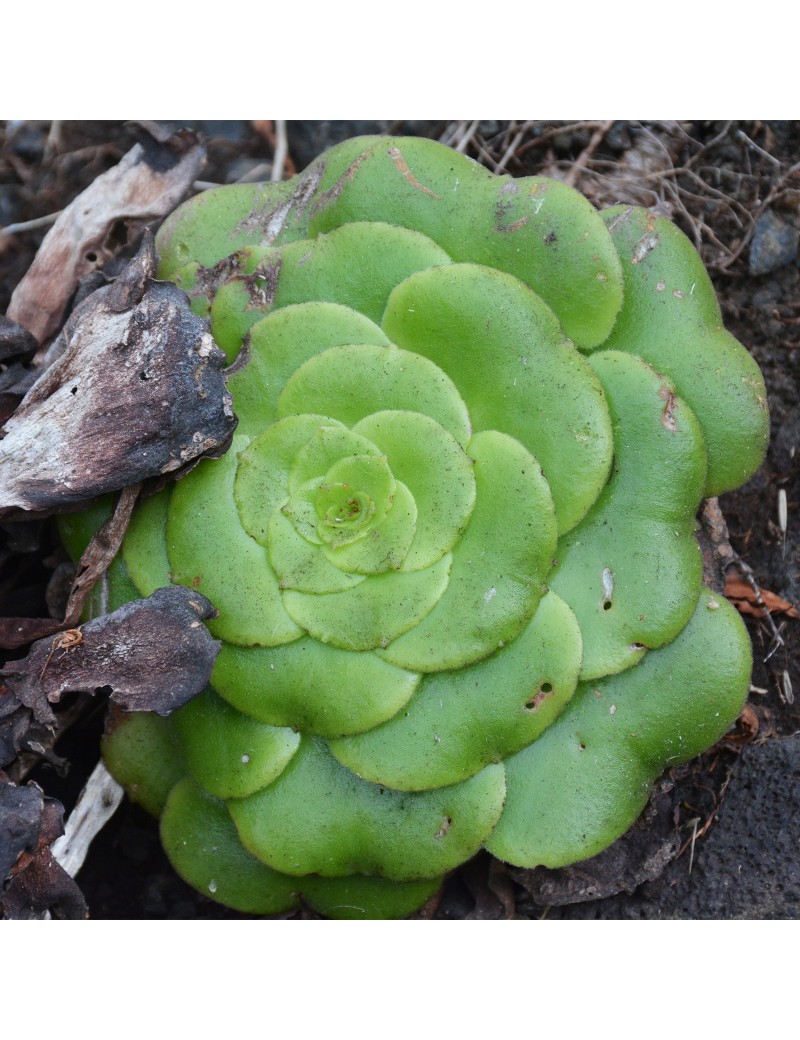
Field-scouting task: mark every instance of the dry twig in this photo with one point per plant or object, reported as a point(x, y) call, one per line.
point(461, 142)
point(588, 152)
point(29, 225)
point(747, 574)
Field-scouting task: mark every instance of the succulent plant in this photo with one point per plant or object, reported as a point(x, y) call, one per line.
point(453, 546)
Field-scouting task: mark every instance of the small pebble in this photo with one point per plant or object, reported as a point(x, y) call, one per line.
point(774, 244)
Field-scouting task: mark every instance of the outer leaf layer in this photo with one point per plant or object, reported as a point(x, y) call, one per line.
point(632, 570)
point(319, 818)
point(587, 778)
point(416, 429)
point(536, 229)
point(671, 318)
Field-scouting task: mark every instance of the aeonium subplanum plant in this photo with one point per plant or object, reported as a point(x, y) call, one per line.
point(453, 544)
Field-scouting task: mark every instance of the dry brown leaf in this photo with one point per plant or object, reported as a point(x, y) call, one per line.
point(747, 726)
point(99, 554)
point(745, 598)
point(145, 186)
point(43, 887)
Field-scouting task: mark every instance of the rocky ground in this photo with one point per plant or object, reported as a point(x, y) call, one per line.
point(720, 839)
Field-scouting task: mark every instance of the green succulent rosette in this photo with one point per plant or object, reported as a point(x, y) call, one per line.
point(453, 544)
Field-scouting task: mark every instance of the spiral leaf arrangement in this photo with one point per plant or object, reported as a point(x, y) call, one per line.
point(453, 544)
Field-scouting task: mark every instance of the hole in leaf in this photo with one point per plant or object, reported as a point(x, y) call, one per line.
point(541, 694)
point(117, 236)
point(446, 822)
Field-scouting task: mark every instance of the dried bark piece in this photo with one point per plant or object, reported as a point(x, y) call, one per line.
point(137, 392)
point(43, 887)
point(29, 824)
point(152, 655)
point(15, 341)
point(16, 632)
point(148, 183)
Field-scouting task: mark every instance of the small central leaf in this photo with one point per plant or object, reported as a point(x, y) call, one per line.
point(388, 543)
point(343, 512)
point(356, 492)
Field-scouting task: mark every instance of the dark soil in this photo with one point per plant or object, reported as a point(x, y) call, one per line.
point(729, 186)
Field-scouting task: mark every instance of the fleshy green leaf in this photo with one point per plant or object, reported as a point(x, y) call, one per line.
point(144, 548)
point(361, 828)
point(203, 847)
point(229, 754)
point(671, 318)
point(460, 721)
point(507, 355)
point(373, 613)
point(121, 590)
point(140, 752)
point(587, 778)
point(352, 382)
point(632, 570)
point(77, 529)
point(495, 583)
point(200, 230)
point(357, 265)
point(359, 898)
point(312, 687)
